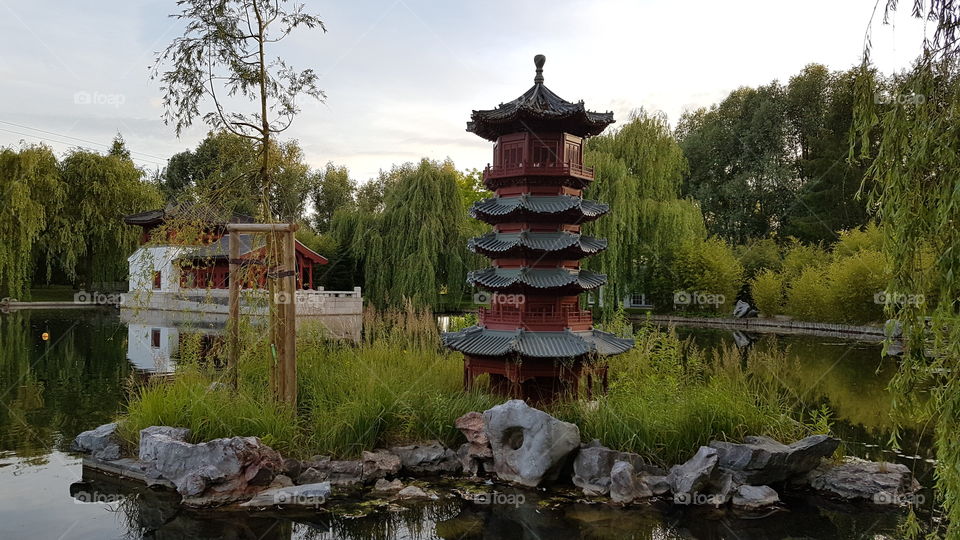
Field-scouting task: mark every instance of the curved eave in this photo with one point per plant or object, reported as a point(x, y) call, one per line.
point(536, 110)
point(498, 209)
point(479, 341)
point(536, 278)
point(496, 244)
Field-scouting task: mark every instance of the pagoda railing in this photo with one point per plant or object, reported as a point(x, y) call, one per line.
point(538, 169)
point(508, 319)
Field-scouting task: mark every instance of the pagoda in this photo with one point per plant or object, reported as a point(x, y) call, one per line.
point(534, 340)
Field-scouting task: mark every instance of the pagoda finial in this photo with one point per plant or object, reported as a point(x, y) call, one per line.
point(538, 61)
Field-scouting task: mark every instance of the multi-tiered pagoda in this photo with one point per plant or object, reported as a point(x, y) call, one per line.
point(534, 340)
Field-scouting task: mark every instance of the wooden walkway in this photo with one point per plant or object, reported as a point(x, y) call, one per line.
point(771, 326)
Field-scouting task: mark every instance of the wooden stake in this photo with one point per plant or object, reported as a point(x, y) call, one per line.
point(289, 310)
point(233, 323)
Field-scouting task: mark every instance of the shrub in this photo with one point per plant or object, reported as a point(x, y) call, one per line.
point(768, 293)
point(855, 240)
point(710, 267)
point(853, 283)
point(758, 254)
point(808, 296)
point(799, 257)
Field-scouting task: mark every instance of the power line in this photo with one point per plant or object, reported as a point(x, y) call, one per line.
point(47, 139)
point(62, 135)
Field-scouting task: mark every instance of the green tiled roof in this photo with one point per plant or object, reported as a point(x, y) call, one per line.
point(496, 244)
point(480, 341)
point(538, 278)
point(502, 207)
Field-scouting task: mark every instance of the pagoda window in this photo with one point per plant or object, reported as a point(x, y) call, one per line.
point(544, 152)
point(157, 280)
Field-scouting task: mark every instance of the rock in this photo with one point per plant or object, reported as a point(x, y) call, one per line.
point(338, 473)
point(743, 310)
point(529, 446)
point(592, 466)
point(153, 436)
point(292, 467)
point(281, 480)
point(860, 480)
point(723, 485)
point(688, 479)
point(304, 496)
point(657, 483)
point(384, 486)
point(427, 459)
point(379, 464)
point(102, 442)
point(215, 472)
point(109, 453)
point(414, 492)
point(625, 486)
point(754, 497)
point(476, 451)
point(762, 460)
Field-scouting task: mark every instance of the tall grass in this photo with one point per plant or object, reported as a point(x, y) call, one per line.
point(399, 386)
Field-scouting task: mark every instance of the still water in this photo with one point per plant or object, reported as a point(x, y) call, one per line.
point(77, 378)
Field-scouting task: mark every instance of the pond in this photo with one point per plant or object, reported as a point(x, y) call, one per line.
point(77, 377)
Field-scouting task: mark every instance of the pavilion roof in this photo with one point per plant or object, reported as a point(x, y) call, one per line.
point(537, 278)
point(498, 243)
point(538, 110)
point(480, 341)
point(497, 207)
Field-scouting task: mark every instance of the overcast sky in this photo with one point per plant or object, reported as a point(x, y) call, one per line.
point(401, 76)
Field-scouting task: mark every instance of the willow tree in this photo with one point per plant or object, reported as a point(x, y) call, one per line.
point(414, 249)
point(916, 168)
point(638, 170)
point(87, 237)
point(31, 193)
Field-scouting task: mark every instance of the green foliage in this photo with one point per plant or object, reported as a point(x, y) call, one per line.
point(709, 267)
point(854, 240)
point(916, 173)
point(808, 295)
point(399, 387)
point(32, 192)
point(332, 189)
point(798, 257)
point(415, 247)
point(853, 283)
point(767, 288)
point(757, 254)
point(637, 172)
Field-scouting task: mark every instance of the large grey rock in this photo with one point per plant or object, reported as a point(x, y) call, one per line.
point(154, 436)
point(859, 480)
point(657, 483)
point(592, 466)
point(379, 464)
point(762, 460)
point(754, 497)
point(304, 496)
point(215, 472)
point(102, 442)
point(690, 478)
point(723, 485)
point(625, 485)
point(529, 446)
point(338, 473)
point(431, 458)
point(383, 486)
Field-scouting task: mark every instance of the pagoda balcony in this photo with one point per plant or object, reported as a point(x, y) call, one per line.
point(540, 320)
point(492, 172)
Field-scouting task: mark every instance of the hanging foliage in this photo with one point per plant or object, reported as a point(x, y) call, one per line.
point(415, 247)
point(638, 170)
point(31, 192)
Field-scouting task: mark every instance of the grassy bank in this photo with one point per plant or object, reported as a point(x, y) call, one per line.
point(400, 386)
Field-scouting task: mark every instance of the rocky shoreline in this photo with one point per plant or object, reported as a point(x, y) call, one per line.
point(511, 443)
